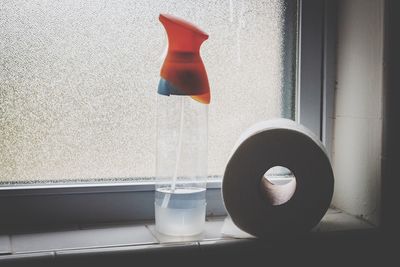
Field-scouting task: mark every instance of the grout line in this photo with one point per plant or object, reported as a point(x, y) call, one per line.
point(152, 234)
point(357, 117)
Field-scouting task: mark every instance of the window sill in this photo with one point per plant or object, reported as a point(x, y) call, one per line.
point(140, 239)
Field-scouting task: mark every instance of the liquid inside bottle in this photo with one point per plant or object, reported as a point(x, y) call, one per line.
point(185, 212)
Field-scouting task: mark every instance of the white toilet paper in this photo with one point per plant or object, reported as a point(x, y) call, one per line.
point(248, 197)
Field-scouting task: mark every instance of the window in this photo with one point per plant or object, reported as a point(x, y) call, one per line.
point(77, 96)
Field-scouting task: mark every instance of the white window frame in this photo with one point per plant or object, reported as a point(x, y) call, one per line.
point(23, 207)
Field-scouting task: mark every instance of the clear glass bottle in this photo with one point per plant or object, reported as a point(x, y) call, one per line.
point(181, 170)
point(182, 131)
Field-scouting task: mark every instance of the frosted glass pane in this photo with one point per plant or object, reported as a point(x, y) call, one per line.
point(78, 82)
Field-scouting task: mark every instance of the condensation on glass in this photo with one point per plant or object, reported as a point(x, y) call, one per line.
point(78, 82)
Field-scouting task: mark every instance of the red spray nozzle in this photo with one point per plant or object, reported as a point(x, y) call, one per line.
point(183, 71)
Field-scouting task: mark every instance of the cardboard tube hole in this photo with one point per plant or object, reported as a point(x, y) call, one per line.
point(278, 185)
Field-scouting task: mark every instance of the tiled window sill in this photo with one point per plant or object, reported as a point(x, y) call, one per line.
point(139, 238)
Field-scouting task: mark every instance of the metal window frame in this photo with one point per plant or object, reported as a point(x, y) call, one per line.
point(27, 207)
point(317, 67)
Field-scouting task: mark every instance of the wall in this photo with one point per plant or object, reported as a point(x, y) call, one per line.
point(391, 118)
point(356, 151)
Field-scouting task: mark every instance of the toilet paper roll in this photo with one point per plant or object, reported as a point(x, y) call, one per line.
point(253, 203)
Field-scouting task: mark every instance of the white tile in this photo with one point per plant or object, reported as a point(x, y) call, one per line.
point(174, 239)
point(90, 238)
point(5, 246)
point(356, 164)
point(358, 103)
point(359, 61)
point(229, 229)
point(340, 221)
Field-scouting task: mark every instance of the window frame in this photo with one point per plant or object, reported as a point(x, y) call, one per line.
point(25, 207)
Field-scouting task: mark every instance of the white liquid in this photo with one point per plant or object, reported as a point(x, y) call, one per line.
point(185, 213)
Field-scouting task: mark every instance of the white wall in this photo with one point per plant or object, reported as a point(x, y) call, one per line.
point(356, 152)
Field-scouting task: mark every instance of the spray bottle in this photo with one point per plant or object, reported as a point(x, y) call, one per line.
point(182, 121)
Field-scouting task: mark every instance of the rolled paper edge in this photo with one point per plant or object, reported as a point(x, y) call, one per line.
point(167, 89)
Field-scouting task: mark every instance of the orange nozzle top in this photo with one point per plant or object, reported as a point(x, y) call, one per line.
point(183, 71)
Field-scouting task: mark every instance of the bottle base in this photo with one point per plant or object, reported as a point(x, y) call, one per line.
point(180, 222)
